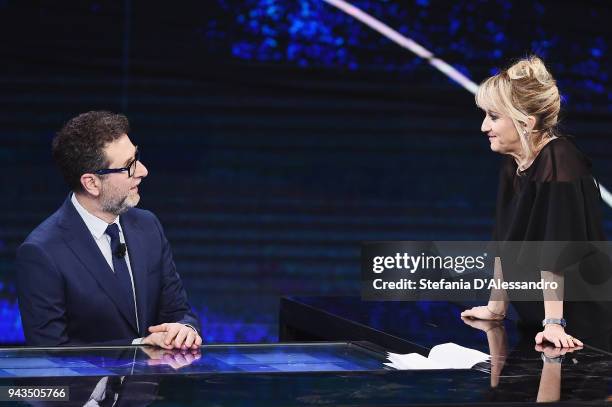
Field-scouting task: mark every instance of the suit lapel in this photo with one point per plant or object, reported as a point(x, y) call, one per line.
point(138, 262)
point(82, 244)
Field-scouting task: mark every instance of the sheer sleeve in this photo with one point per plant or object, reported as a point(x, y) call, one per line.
point(549, 218)
point(566, 199)
point(565, 212)
point(560, 161)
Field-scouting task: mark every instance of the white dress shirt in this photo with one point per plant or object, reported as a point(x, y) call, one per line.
point(97, 227)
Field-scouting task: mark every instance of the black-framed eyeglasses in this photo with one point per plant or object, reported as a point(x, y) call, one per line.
point(130, 167)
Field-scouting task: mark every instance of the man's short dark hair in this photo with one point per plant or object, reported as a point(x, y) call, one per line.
point(78, 148)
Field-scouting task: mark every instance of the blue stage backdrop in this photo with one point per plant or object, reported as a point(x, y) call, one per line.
point(279, 135)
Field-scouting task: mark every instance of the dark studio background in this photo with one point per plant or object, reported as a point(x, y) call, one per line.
point(279, 135)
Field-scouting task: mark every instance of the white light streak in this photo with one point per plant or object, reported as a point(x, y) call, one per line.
point(424, 53)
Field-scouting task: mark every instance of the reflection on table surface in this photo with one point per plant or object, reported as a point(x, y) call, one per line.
point(519, 370)
point(336, 372)
point(145, 360)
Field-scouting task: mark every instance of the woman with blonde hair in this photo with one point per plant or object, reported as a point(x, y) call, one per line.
point(546, 193)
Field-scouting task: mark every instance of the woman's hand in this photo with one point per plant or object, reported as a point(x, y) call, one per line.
point(556, 335)
point(482, 312)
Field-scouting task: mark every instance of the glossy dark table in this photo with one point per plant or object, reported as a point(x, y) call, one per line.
point(339, 374)
point(350, 374)
point(295, 374)
point(517, 373)
point(209, 359)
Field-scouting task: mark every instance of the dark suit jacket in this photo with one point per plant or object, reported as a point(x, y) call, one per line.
point(68, 295)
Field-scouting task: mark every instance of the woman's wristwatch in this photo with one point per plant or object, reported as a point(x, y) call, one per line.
point(555, 321)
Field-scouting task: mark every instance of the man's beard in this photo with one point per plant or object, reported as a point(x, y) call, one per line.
point(112, 202)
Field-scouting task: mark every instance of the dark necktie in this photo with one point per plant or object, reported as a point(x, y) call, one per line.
point(122, 273)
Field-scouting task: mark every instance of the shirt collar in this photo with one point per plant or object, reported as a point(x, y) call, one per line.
point(96, 226)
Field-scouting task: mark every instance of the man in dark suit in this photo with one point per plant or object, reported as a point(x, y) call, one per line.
point(100, 271)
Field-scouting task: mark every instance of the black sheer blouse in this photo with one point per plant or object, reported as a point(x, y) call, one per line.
point(555, 199)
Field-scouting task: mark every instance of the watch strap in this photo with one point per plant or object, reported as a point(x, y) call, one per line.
point(556, 321)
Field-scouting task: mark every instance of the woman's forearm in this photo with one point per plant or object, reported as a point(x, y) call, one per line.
point(498, 300)
point(553, 298)
point(553, 309)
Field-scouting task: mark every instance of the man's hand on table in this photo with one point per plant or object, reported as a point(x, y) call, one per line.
point(173, 335)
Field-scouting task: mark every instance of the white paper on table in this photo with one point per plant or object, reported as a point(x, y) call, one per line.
point(443, 356)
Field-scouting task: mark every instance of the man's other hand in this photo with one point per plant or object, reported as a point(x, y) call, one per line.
point(156, 339)
point(177, 336)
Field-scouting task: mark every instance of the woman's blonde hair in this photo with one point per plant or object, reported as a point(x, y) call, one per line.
point(524, 89)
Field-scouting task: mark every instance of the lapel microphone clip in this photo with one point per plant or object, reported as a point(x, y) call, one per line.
point(121, 250)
